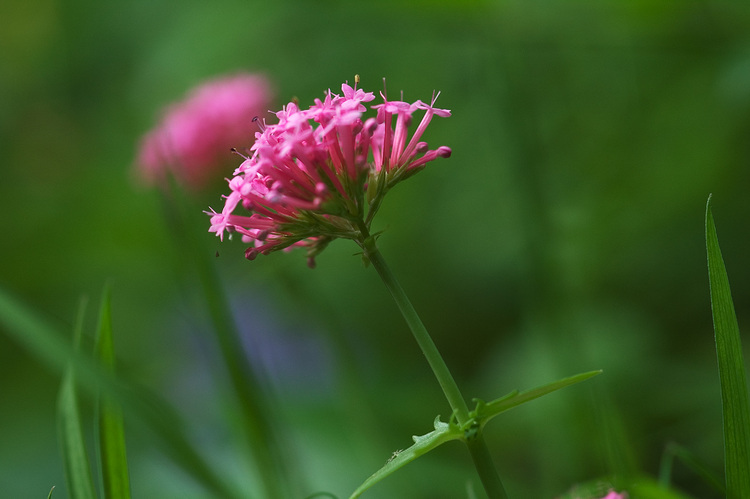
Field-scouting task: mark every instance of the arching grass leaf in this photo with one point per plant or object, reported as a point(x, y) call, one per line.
point(734, 397)
point(73, 444)
point(111, 429)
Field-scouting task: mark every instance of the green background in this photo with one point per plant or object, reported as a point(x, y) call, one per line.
point(565, 233)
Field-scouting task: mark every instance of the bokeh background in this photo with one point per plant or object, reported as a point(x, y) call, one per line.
point(564, 234)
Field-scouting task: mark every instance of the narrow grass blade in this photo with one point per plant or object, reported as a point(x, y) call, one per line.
point(264, 437)
point(674, 451)
point(33, 333)
point(734, 396)
point(48, 344)
point(112, 453)
point(73, 444)
point(620, 458)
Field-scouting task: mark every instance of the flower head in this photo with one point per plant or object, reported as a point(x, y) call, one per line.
point(595, 492)
point(321, 173)
point(615, 495)
point(193, 141)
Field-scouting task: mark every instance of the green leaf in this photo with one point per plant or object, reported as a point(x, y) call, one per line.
point(486, 411)
point(49, 496)
point(73, 444)
point(734, 397)
point(114, 461)
point(443, 432)
point(34, 334)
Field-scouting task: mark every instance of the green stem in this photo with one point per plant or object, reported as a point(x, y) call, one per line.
point(482, 458)
point(477, 446)
point(248, 387)
point(430, 351)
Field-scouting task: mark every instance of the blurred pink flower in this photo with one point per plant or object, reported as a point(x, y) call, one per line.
point(194, 139)
point(594, 490)
point(321, 173)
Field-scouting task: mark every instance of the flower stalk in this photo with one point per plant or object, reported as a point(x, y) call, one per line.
point(255, 403)
point(191, 143)
point(426, 344)
point(478, 449)
point(321, 174)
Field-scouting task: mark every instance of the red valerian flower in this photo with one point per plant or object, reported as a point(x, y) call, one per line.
point(321, 173)
point(193, 141)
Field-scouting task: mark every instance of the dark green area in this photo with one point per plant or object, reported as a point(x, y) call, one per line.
point(565, 234)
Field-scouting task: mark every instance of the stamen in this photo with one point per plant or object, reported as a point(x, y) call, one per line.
point(434, 98)
point(261, 125)
point(235, 151)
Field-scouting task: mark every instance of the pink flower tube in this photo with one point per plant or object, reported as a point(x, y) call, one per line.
point(321, 173)
point(194, 139)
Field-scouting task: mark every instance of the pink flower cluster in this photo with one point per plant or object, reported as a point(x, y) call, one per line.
point(193, 141)
point(610, 495)
point(321, 173)
point(614, 495)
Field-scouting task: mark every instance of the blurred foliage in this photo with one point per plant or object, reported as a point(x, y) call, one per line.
point(564, 234)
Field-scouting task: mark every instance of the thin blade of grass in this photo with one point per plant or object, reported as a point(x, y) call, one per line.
point(112, 452)
point(687, 458)
point(734, 396)
point(265, 439)
point(48, 344)
point(72, 442)
point(618, 452)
